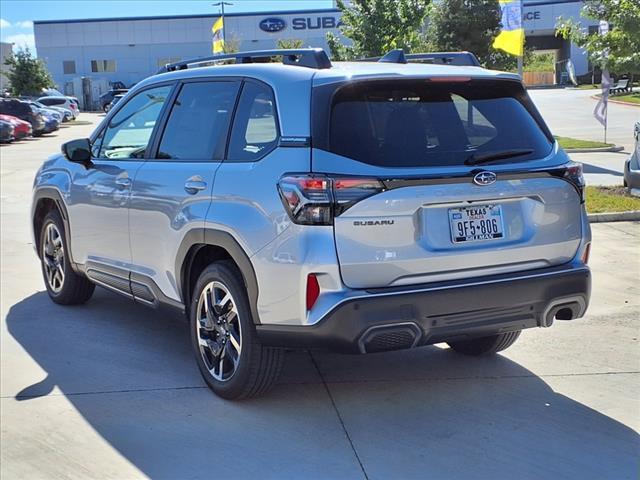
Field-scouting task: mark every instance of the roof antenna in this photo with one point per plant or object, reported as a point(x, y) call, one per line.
point(394, 56)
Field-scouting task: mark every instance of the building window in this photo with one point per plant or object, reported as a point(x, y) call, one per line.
point(99, 66)
point(68, 67)
point(163, 61)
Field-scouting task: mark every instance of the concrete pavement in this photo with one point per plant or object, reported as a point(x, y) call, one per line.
point(110, 390)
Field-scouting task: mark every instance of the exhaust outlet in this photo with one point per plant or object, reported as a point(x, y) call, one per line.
point(563, 309)
point(383, 338)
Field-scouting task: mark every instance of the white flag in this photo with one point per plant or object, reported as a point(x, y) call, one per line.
point(600, 112)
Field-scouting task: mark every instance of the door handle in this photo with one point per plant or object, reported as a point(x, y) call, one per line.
point(123, 182)
point(194, 186)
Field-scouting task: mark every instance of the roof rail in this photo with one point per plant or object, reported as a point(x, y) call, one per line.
point(461, 59)
point(466, 59)
point(303, 57)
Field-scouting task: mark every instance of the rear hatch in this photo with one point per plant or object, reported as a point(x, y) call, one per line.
point(464, 179)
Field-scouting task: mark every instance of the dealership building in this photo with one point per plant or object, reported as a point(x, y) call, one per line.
point(84, 55)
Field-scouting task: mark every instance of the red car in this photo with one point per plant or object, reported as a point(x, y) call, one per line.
point(22, 128)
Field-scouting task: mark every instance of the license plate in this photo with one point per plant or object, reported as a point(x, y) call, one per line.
point(472, 224)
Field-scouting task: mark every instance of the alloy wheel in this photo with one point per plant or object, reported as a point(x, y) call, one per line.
point(53, 257)
point(219, 331)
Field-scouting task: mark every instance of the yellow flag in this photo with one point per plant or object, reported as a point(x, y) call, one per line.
point(217, 29)
point(511, 38)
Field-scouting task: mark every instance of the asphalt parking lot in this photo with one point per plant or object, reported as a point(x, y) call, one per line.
point(110, 389)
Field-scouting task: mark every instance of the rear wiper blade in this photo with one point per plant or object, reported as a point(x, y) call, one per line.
point(491, 156)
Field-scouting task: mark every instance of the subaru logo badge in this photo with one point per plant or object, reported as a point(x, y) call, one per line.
point(485, 178)
point(272, 25)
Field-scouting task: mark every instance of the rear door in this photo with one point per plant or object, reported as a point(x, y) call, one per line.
point(462, 195)
point(172, 191)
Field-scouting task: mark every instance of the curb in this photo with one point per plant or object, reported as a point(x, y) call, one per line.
point(619, 102)
point(630, 216)
point(613, 148)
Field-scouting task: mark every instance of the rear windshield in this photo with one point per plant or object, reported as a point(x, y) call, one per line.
point(423, 123)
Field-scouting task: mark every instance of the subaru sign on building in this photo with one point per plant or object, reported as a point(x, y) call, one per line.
point(272, 25)
point(128, 49)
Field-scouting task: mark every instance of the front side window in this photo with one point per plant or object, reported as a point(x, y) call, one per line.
point(100, 66)
point(129, 131)
point(255, 130)
point(419, 123)
point(199, 122)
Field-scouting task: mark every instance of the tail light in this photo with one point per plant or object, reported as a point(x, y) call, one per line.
point(317, 199)
point(313, 290)
point(573, 173)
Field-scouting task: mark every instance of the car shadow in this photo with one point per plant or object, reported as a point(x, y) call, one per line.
point(588, 168)
point(423, 413)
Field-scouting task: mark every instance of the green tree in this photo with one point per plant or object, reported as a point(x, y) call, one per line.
point(231, 45)
point(618, 50)
point(378, 26)
point(27, 75)
point(470, 25)
point(292, 43)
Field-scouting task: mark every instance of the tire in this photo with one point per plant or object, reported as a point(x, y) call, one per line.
point(231, 372)
point(485, 345)
point(64, 285)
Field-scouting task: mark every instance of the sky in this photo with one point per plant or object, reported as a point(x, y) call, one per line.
point(17, 16)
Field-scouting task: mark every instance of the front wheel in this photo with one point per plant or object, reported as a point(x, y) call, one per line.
point(64, 286)
point(231, 359)
point(485, 345)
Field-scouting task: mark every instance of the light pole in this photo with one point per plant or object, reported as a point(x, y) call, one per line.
point(221, 5)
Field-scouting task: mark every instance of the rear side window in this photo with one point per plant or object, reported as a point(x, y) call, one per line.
point(419, 123)
point(199, 122)
point(53, 101)
point(255, 128)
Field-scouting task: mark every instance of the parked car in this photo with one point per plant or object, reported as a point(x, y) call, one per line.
point(632, 164)
point(107, 98)
point(53, 112)
point(65, 102)
point(7, 133)
point(52, 92)
point(67, 115)
point(24, 111)
point(52, 122)
point(22, 129)
point(116, 99)
point(359, 207)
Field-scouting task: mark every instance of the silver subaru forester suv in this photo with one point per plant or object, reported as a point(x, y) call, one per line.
point(286, 201)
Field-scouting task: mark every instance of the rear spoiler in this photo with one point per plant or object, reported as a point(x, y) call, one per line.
point(460, 59)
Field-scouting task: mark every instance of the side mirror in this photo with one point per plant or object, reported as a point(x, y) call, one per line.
point(78, 151)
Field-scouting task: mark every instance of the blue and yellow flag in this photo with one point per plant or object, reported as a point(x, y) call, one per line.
point(217, 43)
point(511, 38)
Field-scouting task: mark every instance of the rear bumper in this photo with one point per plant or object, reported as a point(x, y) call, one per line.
point(388, 319)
